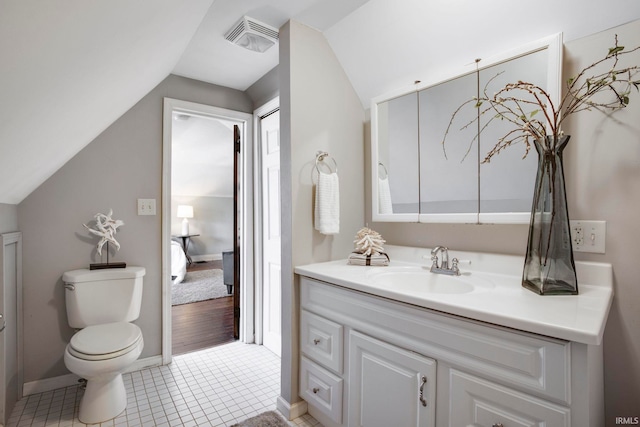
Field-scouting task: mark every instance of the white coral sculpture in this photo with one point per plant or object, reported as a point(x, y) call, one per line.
point(106, 228)
point(369, 242)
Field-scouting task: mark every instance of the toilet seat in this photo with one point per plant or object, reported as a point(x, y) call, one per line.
point(106, 341)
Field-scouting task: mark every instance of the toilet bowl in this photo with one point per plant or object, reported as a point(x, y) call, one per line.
point(101, 304)
point(100, 354)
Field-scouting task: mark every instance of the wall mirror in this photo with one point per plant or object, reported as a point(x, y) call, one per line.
point(397, 166)
point(412, 178)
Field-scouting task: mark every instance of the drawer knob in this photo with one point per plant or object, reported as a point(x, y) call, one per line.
point(316, 390)
point(316, 341)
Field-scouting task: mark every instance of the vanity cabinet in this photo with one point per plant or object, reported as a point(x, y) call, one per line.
point(372, 361)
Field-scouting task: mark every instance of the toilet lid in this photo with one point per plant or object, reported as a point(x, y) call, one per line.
point(105, 341)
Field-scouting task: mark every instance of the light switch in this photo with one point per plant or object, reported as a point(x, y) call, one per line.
point(146, 206)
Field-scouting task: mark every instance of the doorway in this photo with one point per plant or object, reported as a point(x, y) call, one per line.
point(207, 217)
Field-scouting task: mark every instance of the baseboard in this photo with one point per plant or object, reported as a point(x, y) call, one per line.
point(206, 257)
point(49, 384)
point(291, 411)
point(147, 362)
point(62, 381)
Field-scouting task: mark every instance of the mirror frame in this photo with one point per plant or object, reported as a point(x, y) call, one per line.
point(554, 46)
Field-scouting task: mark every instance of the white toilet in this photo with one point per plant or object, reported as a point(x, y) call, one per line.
point(101, 303)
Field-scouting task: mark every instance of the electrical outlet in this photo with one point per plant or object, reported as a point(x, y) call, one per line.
point(146, 206)
point(588, 236)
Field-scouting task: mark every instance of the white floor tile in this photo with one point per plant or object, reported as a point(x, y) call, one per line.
point(219, 386)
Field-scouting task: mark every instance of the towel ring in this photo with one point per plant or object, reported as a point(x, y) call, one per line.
point(320, 158)
point(386, 173)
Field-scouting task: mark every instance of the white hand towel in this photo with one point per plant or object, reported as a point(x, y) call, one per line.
point(384, 196)
point(327, 209)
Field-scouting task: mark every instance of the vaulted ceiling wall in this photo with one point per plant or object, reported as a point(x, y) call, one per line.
point(70, 68)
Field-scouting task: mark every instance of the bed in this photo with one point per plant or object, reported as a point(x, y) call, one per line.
point(178, 262)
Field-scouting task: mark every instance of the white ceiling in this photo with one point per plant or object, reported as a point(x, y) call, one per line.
point(70, 68)
point(386, 45)
point(210, 58)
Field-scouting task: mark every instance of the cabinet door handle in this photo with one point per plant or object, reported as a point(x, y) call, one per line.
point(316, 341)
point(423, 381)
point(316, 390)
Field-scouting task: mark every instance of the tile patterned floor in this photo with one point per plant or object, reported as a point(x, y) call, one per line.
point(219, 386)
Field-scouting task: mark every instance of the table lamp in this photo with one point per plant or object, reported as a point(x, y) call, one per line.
point(184, 212)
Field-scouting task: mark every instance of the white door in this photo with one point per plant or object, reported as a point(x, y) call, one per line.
point(389, 386)
point(271, 270)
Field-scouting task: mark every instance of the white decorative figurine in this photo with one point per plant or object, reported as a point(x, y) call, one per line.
point(369, 250)
point(106, 228)
point(369, 242)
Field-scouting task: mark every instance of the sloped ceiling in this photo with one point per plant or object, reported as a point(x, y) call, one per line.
point(387, 45)
point(69, 68)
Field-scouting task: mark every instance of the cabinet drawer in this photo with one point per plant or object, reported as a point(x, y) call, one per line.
point(475, 401)
point(321, 388)
point(321, 340)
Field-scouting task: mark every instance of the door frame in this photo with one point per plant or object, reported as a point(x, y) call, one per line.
point(11, 243)
point(246, 220)
point(260, 112)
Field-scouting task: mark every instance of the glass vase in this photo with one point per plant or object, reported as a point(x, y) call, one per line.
point(549, 268)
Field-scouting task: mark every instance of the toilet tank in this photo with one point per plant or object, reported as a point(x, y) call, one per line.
point(94, 297)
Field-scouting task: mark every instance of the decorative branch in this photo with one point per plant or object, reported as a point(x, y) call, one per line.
point(513, 100)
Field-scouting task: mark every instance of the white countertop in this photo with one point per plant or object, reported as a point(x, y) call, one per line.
point(580, 318)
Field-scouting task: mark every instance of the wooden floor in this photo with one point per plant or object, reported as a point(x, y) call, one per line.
point(202, 324)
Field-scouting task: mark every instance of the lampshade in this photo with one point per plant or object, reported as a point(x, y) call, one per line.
point(185, 211)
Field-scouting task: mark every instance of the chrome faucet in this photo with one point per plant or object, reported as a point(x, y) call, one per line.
point(442, 267)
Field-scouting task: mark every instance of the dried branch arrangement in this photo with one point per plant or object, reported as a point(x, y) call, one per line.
point(591, 89)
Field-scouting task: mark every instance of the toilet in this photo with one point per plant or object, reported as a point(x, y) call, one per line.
point(101, 304)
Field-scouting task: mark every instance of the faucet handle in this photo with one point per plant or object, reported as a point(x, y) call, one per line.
point(434, 259)
point(454, 266)
point(455, 262)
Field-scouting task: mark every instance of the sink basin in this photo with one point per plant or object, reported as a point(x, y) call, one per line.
point(417, 280)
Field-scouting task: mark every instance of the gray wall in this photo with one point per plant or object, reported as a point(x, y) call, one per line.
point(122, 164)
point(212, 220)
point(603, 183)
point(8, 218)
point(319, 111)
point(265, 89)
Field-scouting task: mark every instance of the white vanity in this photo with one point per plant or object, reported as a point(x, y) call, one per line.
point(400, 346)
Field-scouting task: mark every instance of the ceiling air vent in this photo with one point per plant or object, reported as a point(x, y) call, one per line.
point(252, 35)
